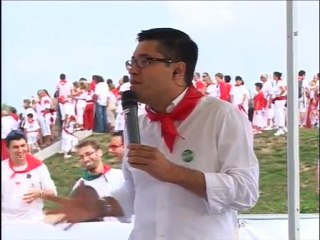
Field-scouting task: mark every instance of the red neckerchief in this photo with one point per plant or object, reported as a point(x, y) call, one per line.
point(32, 163)
point(63, 82)
point(180, 112)
point(30, 120)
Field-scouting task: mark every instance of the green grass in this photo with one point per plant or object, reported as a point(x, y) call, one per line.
point(271, 153)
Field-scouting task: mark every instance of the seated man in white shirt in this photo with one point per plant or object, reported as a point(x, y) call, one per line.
point(25, 181)
point(95, 173)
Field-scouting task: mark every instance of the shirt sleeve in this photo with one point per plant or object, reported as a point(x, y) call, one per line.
point(125, 193)
point(235, 186)
point(46, 180)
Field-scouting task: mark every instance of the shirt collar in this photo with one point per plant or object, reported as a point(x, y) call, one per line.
point(176, 101)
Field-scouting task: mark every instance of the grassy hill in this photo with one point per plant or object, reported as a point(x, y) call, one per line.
point(271, 153)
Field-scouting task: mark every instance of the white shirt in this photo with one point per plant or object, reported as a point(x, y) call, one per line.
point(238, 93)
point(105, 184)
point(125, 87)
point(8, 123)
point(213, 90)
point(101, 91)
point(267, 89)
point(277, 88)
point(13, 208)
point(64, 88)
point(223, 150)
point(32, 127)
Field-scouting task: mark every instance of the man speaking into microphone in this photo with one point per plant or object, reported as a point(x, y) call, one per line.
point(194, 167)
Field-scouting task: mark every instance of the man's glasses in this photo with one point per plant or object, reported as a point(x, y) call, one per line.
point(144, 62)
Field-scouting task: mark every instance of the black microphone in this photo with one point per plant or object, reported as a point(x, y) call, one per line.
point(130, 109)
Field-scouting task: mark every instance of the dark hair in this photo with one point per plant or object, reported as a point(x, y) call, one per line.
point(219, 75)
point(62, 76)
point(15, 135)
point(109, 81)
point(176, 45)
point(277, 74)
point(97, 78)
point(92, 143)
point(205, 74)
point(82, 79)
point(259, 85)
point(301, 73)
point(13, 110)
point(238, 78)
point(227, 78)
point(30, 115)
point(125, 79)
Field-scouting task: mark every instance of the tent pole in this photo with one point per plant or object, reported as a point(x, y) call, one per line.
point(293, 169)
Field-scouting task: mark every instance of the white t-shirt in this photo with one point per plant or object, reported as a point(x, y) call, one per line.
point(13, 208)
point(8, 123)
point(31, 127)
point(238, 93)
point(125, 87)
point(101, 91)
point(212, 90)
point(105, 184)
point(277, 88)
point(267, 89)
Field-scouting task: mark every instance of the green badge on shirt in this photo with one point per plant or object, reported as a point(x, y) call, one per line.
point(187, 155)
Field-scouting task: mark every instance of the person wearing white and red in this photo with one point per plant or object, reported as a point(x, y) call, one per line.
point(212, 88)
point(280, 91)
point(67, 108)
point(13, 113)
point(88, 115)
point(95, 173)
point(68, 139)
point(227, 80)
point(303, 100)
point(80, 103)
point(64, 87)
point(8, 123)
point(224, 88)
point(32, 129)
point(195, 167)
point(198, 83)
point(120, 118)
point(100, 98)
point(45, 103)
point(259, 109)
point(239, 95)
point(112, 102)
point(268, 92)
point(25, 181)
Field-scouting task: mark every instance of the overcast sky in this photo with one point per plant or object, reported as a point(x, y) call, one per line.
point(42, 39)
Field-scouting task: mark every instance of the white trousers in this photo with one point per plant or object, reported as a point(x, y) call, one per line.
point(280, 113)
point(80, 106)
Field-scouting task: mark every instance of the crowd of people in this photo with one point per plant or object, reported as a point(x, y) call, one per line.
point(96, 105)
point(267, 108)
point(174, 175)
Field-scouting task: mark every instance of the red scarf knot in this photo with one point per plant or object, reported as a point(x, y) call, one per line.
point(180, 113)
point(32, 163)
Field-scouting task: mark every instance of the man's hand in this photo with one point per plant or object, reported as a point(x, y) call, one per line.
point(32, 195)
point(150, 160)
point(84, 209)
point(76, 210)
